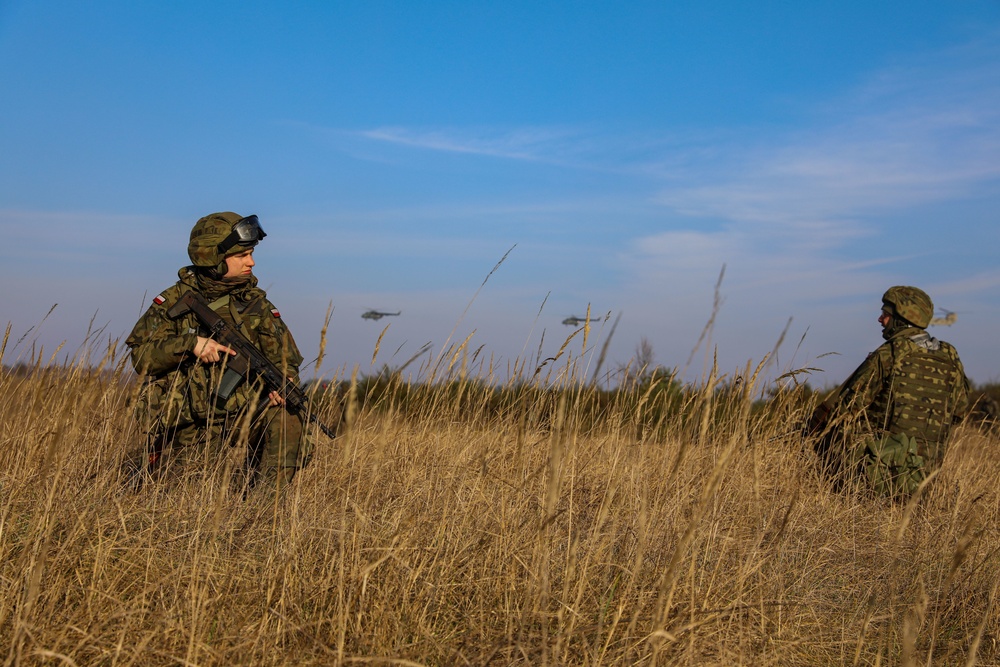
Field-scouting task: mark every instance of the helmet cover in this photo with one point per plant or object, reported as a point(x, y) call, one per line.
point(911, 304)
point(215, 237)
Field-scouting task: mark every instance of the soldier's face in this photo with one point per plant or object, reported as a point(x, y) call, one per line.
point(241, 265)
point(884, 319)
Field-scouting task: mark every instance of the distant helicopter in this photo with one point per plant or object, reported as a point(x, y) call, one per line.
point(574, 321)
point(948, 319)
point(378, 314)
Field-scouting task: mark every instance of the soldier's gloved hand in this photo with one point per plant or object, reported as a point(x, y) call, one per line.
point(209, 351)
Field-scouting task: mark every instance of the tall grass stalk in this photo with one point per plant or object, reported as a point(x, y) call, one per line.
point(536, 519)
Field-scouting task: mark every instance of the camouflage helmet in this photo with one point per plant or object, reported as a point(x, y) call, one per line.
point(219, 235)
point(911, 304)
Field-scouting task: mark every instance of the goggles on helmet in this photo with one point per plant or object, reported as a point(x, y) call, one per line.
point(246, 232)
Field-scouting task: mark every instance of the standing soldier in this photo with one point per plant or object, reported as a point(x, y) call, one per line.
point(179, 408)
point(888, 424)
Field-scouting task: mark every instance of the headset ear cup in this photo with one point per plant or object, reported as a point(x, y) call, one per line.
point(220, 270)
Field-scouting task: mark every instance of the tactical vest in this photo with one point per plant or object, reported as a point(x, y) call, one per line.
point(916, 398)
point(244, 316)
point(202, 380)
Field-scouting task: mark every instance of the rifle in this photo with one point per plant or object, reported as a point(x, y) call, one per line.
point(247, 362)
point(812, 427)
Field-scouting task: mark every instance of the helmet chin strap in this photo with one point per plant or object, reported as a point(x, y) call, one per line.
point(896, 324)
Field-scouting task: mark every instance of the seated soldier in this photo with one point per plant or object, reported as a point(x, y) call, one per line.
point(888, 424)
point(181, 408)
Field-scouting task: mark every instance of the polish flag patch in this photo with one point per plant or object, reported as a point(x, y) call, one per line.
point(159, 300)
point(274, 311)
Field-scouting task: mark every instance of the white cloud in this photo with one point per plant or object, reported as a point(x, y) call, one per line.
point(527, 143)
point(787, 215)
point(799, 217)
point(911, 135)
point(982, 283)
point(916, 133)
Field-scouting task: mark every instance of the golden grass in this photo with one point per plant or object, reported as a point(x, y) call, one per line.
point(446, 541)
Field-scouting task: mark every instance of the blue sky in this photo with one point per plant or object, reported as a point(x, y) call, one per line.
point(624, 153)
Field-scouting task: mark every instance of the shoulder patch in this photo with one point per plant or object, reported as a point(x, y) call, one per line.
point(274, 311)
point(159, 300)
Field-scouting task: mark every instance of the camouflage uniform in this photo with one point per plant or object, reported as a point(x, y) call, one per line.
point(889, 422)
point(177, 406)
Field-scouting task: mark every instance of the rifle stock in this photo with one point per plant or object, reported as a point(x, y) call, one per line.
point(248, 360)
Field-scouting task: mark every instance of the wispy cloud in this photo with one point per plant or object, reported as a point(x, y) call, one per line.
point(538, 144)
point(802, 217)
point(979, 283)
point(792, 216)
point(914, 132)
point(926, 132)
point(765, 268)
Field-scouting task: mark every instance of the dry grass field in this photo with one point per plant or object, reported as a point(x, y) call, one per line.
point(452, 534)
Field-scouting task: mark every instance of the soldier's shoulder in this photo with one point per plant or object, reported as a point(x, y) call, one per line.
point(170, 295)
point(905, 345)
point(258, 303)
point(881, 353)
point(253, 299)
point(877, 363)
point(156, 314)
point(256, 294)
point(945, 345)
point(271, 311)
point(951, 351)
point(884, 347)
point(166, 298)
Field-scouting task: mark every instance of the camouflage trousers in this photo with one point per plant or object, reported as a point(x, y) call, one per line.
point(891, 466)
point(275, 447)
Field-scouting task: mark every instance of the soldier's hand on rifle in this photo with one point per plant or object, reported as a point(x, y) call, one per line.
point(209, 351)
point(276, 398)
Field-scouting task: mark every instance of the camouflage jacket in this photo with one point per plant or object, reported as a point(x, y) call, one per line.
point(912, 384)
point(179, 386)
